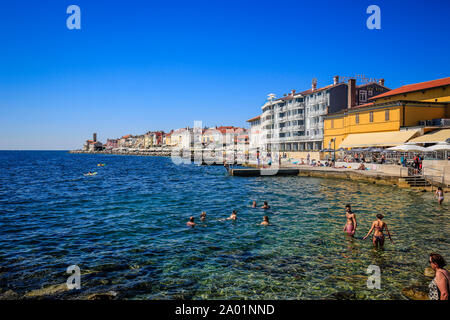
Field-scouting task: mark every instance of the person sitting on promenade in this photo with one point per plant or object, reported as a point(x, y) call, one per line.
point(254, 204)
point(265, 221)
point(350, 225)
point(233, 215)
point(191, 222)
point(440, 286)
point(265, 206)
point(362, 167)
point(378, 236)
point(203, 216)
point(440, 195)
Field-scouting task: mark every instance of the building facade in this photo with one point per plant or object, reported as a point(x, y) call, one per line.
point(421, 107)
point(294, 124)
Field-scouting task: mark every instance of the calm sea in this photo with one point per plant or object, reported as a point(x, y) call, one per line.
point(126, 230)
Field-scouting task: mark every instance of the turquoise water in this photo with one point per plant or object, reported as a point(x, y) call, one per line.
point(126, 230)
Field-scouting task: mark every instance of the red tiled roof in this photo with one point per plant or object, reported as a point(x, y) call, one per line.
point(127, 136)
point(254, 118)
point(364, 105)
point(415, 87)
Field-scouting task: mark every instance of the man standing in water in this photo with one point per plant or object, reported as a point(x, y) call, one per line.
point(350, 225)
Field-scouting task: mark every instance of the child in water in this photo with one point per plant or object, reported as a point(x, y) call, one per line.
point(265, 221)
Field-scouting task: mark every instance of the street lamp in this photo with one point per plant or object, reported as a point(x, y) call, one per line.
point(334, 149)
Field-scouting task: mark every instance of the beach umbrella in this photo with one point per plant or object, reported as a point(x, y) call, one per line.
point(409, 148)
point(441, 146)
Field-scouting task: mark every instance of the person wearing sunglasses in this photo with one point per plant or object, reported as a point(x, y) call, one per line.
point(439, 286)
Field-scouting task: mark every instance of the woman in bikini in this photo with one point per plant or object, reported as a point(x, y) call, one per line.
point(440, 285)
point(440, 195)
point(350, 225)
point(378, 236)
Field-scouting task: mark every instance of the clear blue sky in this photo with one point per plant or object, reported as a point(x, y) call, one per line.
point(155, 65)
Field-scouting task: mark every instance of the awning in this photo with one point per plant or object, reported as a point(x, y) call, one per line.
point(378, 139)
point(433, 137)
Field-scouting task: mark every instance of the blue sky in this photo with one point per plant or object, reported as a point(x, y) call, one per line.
point(137, 66)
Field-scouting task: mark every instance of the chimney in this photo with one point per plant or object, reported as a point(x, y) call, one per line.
point(381, 82)
point(351, 96)
point(293, 92)
point(94, 137)
point(335, 80)
point(314, 84)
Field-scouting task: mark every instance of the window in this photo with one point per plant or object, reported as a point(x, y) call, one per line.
point(332, 123)
point(386, 115)
point(363, 96)
point(357, 118)
point(371, 116)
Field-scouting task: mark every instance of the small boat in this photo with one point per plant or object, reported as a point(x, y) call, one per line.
point(90, 174)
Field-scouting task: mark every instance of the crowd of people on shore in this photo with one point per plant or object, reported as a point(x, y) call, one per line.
point(439, 288)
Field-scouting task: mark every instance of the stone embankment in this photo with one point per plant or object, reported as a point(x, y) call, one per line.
point(155, 153)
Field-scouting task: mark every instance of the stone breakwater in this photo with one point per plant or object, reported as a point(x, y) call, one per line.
point(154, 153)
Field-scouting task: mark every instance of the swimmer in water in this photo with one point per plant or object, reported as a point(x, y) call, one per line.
point(265, 221)
point(203, 216)
point(254, 204)
point(350, 225)
point(378, 236)
point(440, 195)
point(233, 215)
point(266, 205)
point(191, 222)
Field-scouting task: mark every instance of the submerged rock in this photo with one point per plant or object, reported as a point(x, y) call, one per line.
point(47, 291)
point(110, 295)
point(416, 293)
point(9, 295)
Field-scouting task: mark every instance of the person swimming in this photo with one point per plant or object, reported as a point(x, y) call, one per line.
point(378, 236)
point(203, 216)
point(191, 222)
point(440, 195)
point(233, 215)
point(350, 225)
point(254, 204)
point(265, 221)
point(266, 205)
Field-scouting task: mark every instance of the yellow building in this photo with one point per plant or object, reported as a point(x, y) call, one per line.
point(403, 109)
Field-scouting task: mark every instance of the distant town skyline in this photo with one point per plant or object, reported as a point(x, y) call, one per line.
point(146, 66)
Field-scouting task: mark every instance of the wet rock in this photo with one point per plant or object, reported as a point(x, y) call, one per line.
point(416, 293)
point(9, 295)
point(343, 295)
point(47, 291)
point(429, 272)
point(110, 295)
